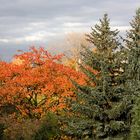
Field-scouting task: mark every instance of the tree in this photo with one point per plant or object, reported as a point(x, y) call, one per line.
point(75, 42)
point(133, 45)
point(37, 84)
point(133, 71)
point(100, 111)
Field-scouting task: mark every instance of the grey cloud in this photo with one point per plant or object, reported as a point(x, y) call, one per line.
point(24, 22)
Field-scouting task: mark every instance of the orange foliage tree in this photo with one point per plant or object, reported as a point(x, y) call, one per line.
point(37, 82)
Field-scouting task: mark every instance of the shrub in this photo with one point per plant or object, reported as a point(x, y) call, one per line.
point(49, 128)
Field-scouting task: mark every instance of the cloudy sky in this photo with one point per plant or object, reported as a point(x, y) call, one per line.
point(38, 22)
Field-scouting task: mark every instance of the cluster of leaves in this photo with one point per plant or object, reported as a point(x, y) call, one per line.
point(36, 82)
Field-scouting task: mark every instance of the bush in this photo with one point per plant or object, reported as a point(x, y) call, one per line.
point(49, 128)
point(17, 128)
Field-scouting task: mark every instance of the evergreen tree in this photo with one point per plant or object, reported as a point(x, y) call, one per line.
point(133, 71)
point(102, 111)
point(133, 45)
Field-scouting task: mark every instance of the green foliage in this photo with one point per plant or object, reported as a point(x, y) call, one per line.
point(49, 128)
point(133, 43)
point(102, 37)
point(12, 128)
point(102, 111)
point(135, 129)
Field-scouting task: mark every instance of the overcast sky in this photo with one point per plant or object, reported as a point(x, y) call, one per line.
point(36, 22)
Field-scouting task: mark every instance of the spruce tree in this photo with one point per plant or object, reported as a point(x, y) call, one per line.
point(133, 71)
point(133, 45)
point(100, 111)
